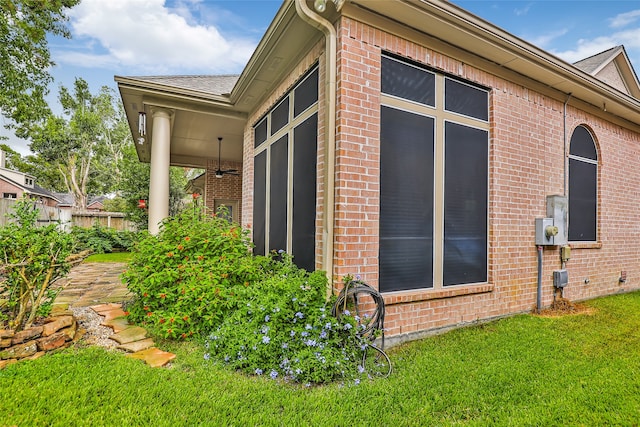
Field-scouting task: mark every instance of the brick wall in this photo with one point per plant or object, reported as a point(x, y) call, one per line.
point(229, 187)
point(527, 163)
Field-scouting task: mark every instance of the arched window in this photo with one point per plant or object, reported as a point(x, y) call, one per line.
point(583, 186)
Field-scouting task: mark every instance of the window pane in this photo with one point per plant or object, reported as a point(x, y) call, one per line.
point(465, 205)
point(280, 116)
point(406, 200)
point(582, 201)
point(306, 94)
point(278, 195)
point(582, 144)
point(260, 133)
point(305, 154)
point(408, 82)
point(259, 201)
point(467, 100)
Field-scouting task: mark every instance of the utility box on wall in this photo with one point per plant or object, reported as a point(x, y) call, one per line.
point(546, 232)
point(557, 208)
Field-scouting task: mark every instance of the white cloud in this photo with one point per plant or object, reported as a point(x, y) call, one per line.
point(544, 40)
point(624, 19)
point(589, 47)
point(144, 36)
point(522, 11)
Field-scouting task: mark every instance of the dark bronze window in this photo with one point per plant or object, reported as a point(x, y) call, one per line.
point(583, 186)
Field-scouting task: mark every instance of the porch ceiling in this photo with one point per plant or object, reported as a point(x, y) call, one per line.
point(196, 124)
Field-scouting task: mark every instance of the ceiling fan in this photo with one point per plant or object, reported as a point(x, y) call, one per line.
point(219, 172)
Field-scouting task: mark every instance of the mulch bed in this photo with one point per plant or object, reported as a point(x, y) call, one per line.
point(564, 307)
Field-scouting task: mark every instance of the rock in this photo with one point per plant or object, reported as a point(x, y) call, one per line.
point(19, 351)
point(69, 332)
point(36, 355)
point(26, 335)
point(5, 342)
point(133, 333)
point(153, 356)
point(56, 325)
point(52, 342)
point(136, 346)
point(6, 333)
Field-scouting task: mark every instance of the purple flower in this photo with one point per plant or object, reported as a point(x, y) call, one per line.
point(299, 315)
point(304, 333)
point(308, 327)
point(328, 326)
point(258, 371)
point(310, 343)
point(358, 277)
point(265, 340)
point(347, 326)
point(360, 369)
point(292, 333)
point(280, 251)
point(357, 381)
point(347, 313)
point(267, 318)
point(285, 345)
point(273, 374)
point(207, 356)
point(323, 334)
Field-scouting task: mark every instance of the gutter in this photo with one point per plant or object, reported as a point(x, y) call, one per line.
point(322, 24)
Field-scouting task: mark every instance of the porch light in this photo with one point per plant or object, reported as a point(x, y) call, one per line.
point(142, 124)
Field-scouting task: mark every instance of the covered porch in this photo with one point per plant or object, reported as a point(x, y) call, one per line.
point(187, 121)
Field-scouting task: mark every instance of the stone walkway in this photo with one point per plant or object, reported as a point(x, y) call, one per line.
point(98, 286)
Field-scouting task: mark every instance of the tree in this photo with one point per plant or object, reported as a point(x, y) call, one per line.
point(25, 58)
point(86, 143)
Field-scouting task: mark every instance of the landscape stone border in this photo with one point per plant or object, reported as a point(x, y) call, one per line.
point(57, 332)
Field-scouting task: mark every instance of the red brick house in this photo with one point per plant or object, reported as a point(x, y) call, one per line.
point(15, 185)
point(414, 144)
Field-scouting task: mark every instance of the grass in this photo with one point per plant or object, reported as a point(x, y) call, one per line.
point(110, 257)
point(579, 370)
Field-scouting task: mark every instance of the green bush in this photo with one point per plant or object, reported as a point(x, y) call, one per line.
point(284, 329)
point(102, 240)
point(189, 276)
point(31, 259)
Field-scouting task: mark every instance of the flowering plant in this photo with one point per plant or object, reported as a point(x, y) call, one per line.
point(284, 329)
point(191, 274)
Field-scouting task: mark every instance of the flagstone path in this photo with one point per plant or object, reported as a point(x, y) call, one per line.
point(98, 286)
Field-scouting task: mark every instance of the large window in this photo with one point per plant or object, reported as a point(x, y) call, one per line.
point(434, 144)
point(285, 164)
point(583, 186)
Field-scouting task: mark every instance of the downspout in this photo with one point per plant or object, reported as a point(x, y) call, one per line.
point(564, 130)
point(331, 63)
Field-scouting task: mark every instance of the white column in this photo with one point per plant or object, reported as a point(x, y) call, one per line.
point(159, 181)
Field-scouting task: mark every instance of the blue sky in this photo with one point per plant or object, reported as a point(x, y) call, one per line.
point(162, 37)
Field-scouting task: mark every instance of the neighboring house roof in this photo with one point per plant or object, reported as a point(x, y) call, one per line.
point(66, 199)
point(614, 68)
point(36, 190)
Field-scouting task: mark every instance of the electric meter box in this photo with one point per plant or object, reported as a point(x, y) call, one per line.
point(546, 232)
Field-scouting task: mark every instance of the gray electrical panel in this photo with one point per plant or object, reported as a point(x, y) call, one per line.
point(546, 232)
point(560, 278)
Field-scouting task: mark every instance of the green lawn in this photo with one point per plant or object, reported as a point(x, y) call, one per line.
point(111, 257)
point(581, 370)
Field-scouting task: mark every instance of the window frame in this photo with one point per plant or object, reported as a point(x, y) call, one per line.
point(264, 148)
point(585, 160)
point(441, 116)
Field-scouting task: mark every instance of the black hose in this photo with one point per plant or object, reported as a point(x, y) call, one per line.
point(351, 290)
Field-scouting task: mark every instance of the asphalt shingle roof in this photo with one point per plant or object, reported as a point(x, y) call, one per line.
point(214, 85)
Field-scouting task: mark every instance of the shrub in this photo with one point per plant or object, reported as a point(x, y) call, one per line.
point(101, 239)
point(32, 258)
point(189, 276)
point(284, 329)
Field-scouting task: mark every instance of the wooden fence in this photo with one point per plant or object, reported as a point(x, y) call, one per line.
point(68, 218)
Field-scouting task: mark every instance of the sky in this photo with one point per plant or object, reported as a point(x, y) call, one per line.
point(169, 37)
